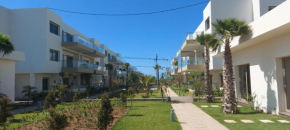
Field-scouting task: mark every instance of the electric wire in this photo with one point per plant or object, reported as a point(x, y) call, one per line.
point(130, 14)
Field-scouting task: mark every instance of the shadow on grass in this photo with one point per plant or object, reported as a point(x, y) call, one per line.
point(252, 112)
point(135, 115)
point(140, 106)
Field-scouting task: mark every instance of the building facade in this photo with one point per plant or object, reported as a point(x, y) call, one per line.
point(251, 77)
point(55, 53)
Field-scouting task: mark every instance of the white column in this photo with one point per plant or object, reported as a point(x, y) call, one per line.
point(32, 79)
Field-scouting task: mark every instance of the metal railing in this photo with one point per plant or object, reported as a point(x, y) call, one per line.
point(81, 64)
point(192, 61)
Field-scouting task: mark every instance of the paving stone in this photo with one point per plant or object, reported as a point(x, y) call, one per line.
point(239, 106)
point(247, 121)
point(214, 105)
point(204, 106)
point(266, 121)
point(283, 121)
point(230, 121)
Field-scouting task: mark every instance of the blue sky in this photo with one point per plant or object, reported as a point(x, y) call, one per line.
point(132, 36)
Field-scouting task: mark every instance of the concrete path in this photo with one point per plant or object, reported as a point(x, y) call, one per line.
point(193, 118)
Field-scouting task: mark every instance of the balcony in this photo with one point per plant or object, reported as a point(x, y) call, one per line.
point(190, 43)
point(116, 60)
point(173, 70)
point(192, 64)
point(121, 72)
point(73, 66)
point(79, 44)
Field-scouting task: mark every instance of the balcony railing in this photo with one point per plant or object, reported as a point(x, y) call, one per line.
point(117, 59)
point(121, 72)
point(83, 41)
point(192, 61)
point(193, 36)
point(99, 68)
point(81, 64)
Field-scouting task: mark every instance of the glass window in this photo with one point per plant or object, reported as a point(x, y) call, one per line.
point(54, 55)
point(207, 24)
point(271, 7)
point(54, 28)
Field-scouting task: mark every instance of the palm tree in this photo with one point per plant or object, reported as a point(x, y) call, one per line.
point(147, 81)
point(27, 91)
point(207, 40)
point(126, 67)
point(157, 68)
point(227, 29)
point(6, 47)
point(176, 69)
point(110, 68)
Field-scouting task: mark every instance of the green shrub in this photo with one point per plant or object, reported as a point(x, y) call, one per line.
point(105, 114)
point(76, 96)
point(49, 101)
point(151, 92)
point(123, 99)
point(144, 96)
point(55, 120)
point(4, 110)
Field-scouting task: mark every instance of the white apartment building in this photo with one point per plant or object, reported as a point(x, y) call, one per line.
point(51, 47)
point(249, 76)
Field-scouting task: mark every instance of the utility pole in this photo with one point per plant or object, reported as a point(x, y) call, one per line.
point(157, 73)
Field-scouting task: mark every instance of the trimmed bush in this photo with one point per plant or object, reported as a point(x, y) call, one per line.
point(50, 100)
point(105, 114)
point(55, 120)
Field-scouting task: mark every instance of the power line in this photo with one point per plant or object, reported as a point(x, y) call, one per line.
point(130, 14)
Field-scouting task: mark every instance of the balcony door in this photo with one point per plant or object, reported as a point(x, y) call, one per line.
point(69, 61)
point(286, 79)
point(45, 83)
point(245, 82)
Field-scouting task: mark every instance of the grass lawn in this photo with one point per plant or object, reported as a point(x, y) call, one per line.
point(147, 116)
point(245, 113)
point(155, 94)
point(178, 91)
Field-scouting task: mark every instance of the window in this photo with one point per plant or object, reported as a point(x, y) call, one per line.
point(97, 63)
point(67, 37)
point(207, 24)
point(54, 28)
point(271, 7)
point(54, 55)
point(45, 83)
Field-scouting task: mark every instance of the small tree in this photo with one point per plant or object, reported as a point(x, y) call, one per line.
point(131, 94)
point(123, 99)
point(49, 101)
point(76, 96)
point(105, 114)
point(4, 110)
point(28, 92)
point(55, 120)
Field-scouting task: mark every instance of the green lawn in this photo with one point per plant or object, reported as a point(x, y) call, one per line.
point(155, 94)
point(245, 113)
point(147, 116)
point(178, 91)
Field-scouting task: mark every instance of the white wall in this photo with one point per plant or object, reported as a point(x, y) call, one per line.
point(264, 68)
point(5, 21)
point(7, 78)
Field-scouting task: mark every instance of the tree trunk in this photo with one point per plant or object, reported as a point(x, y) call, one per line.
point(148, 89)
point(208, 95)
point(230, 103)
point(110, 81)
point(127, 74)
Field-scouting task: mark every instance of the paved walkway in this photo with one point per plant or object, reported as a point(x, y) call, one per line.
point(193, 118)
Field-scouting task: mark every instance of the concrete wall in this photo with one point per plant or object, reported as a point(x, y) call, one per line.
point(7, 78)
point(265, 70)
